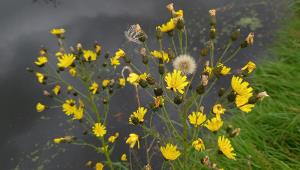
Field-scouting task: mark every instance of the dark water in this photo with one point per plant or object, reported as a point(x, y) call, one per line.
point(26, 135)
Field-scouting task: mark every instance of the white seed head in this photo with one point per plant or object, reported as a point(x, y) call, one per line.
point(185, 63)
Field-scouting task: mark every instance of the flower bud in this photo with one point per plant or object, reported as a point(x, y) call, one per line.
point(221, 92)
point(104, 64)
point(180, 24)
point(200, 89)
point(79, 47)
point(235, 35)
point(252, 100)
point(30, 70)
point(145, 59)
point(212, 32)
point(158, 91)
point(161, 69)
point(143, 83)
point(178, 99)
point(127, 59)
point(106, 55)
point(150, 80)
point(204, 52)
point(158, 33)
point(231, 97)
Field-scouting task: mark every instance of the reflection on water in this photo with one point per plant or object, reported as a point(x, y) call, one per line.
point(26, 135)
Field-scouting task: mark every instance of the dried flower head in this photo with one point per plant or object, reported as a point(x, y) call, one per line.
point(212, 12)
point(134, 33)
point(250, 38)
point(185, 63)
point(262, 95)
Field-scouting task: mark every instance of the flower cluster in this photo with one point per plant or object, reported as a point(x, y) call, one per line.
point(179, 126)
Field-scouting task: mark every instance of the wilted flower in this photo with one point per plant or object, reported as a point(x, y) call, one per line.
point(262, 95)
point(250, 38)
point(212, 12)
point(134, 33)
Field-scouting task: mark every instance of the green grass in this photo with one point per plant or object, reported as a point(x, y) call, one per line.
point(270, 135)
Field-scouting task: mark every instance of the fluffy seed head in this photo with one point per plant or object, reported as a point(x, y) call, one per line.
point(185, 63)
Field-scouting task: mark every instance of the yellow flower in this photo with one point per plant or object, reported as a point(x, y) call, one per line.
point(115, 61)
point(105, 83)
point(134, 78)
point(138, 115)
point(40, 107)
point(99, 166)
point(41, 78)
point(94, 88)
point(179, 13)
point(58, 140)
point(99, 130)
point(208, 70)
point(66, 60)
point(122, 82)
point(161, 55)
point(123, 157)
point(57, 31)
point(58, 54)
point(198, 144)
point(240, 87)
point(113, 138)
point(56, 89)
point(249, 67)
point(132, 140)
point(218, 109)
point(170, 152)
point(169, 26)
point(242, 103)
point(197, 118)
point(73, 71)
point(69, 107)
point(176, 81)
point(120, 53)
point(98, 49)
point(78, 112)
point(223, 70)
point(41, 61)
point(214, 124)
point(225, 147)
point(89, 55)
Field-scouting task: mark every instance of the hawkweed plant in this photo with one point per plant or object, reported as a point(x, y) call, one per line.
point(187, 135)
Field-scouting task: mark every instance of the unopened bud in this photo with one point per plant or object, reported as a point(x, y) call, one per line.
point(235, 35)
point(221, 92)
point(231, 97)
point(158, 91)
point(158, 33)
point(200, 89)
point(143, 83)
point(212, 32)
point(204, 52)
point(161, 69)
point(178, 99)
point(150, 80)
point(180, 24)
point(235, 132)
